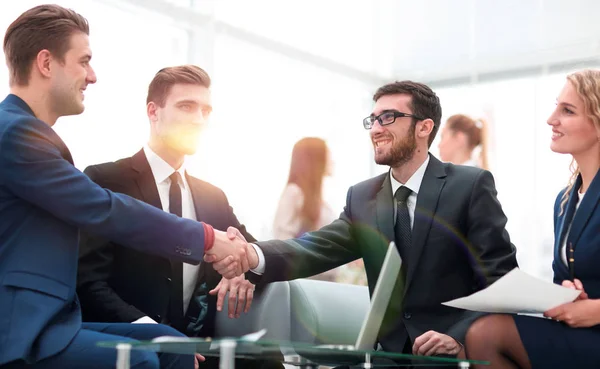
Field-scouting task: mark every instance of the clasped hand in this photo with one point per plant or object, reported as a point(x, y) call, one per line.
point(231, 255)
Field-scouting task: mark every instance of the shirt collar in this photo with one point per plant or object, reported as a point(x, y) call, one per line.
point(414, 182)
point(161, 170)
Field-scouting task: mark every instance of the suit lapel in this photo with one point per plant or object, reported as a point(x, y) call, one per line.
point(427, 200)
point(586, 208)
point(200, 204)
point(145, 179)
point(566, 218)
point(384, 205)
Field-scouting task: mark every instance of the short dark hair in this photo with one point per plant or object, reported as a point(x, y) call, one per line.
point(44, 27)
point(424, 102)
point(167, 77)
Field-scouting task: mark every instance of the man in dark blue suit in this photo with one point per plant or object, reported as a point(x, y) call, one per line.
point(45, 201)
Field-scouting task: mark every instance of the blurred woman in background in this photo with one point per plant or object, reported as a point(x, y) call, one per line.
point(301, 207)
point(461, 135)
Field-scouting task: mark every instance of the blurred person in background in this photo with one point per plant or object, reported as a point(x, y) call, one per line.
point(460, 137)
point(301, 207)
point(571, 337)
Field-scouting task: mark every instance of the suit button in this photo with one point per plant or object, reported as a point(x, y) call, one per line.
point(407, 315)
point(158, 317)
point(168, 279)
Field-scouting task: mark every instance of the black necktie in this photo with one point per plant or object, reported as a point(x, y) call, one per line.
point(175, 194)
point(402, 230)
point(393, 335)
point(176, 299)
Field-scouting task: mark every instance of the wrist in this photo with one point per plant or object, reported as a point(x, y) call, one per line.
point(209, 237)
point(252, 257)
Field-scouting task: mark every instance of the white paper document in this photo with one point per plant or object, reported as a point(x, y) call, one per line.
point(517, 292)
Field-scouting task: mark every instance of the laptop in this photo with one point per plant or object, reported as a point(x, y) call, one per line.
point(390, 271)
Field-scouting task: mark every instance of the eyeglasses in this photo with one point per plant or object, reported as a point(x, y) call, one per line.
point(386, 118)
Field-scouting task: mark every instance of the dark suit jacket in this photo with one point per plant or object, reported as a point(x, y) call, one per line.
point(44, 202)
point(459, 245)
point(118, 284)
point(583, 235)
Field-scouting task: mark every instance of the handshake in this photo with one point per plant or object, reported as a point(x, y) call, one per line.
point(231, 255)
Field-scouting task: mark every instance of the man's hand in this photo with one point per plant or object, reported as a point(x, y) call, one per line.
point(434, 343)
point(241, 294)
point(197, 360)
point(234, 234)
point(228, 255)
point(578, 314)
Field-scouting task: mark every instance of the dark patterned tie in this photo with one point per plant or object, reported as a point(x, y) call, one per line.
point(176, 299)
point(402, 230)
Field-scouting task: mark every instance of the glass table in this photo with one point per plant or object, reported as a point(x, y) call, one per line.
point(302, 354)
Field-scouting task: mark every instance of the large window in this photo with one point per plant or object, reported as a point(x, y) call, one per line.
point(528, 174)
point(129, 47)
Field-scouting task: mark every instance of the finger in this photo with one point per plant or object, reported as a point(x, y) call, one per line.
point(419, 341)
point(236, 232)
point(200, 358)
point(216, 289)
point(210, 258)
point(578, 284)
point(427, 346)
point(221, 298)
point(553, 313)
point(232, 233)
point(222, 264)
point(436, 349)
point(583, 296)
point(196, 364)
point(241, 302)
point(226, 269)
point(233, 297)
point(245, 263)
point(249, 298)
point(568, 284)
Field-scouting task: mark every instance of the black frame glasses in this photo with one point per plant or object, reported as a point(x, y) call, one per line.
point(391, 115)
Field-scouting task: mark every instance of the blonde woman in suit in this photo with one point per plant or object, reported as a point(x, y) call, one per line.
point(571, 337)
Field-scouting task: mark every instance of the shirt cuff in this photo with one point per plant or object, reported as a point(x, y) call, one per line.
point(144, 320)
point(260, 268)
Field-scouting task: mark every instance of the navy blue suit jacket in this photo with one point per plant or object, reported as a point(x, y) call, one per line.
point(44, 202)
point(584, 235)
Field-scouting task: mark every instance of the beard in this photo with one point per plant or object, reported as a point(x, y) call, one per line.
point(65, 102)
point(401, 152)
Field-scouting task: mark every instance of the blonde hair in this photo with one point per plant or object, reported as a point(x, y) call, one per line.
point(476, 132)
point(587, 84)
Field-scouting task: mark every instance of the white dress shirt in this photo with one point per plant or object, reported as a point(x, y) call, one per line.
point(161, 171)
point(413, 183)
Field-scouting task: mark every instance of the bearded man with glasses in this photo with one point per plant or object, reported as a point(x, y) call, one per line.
point(445, 220)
